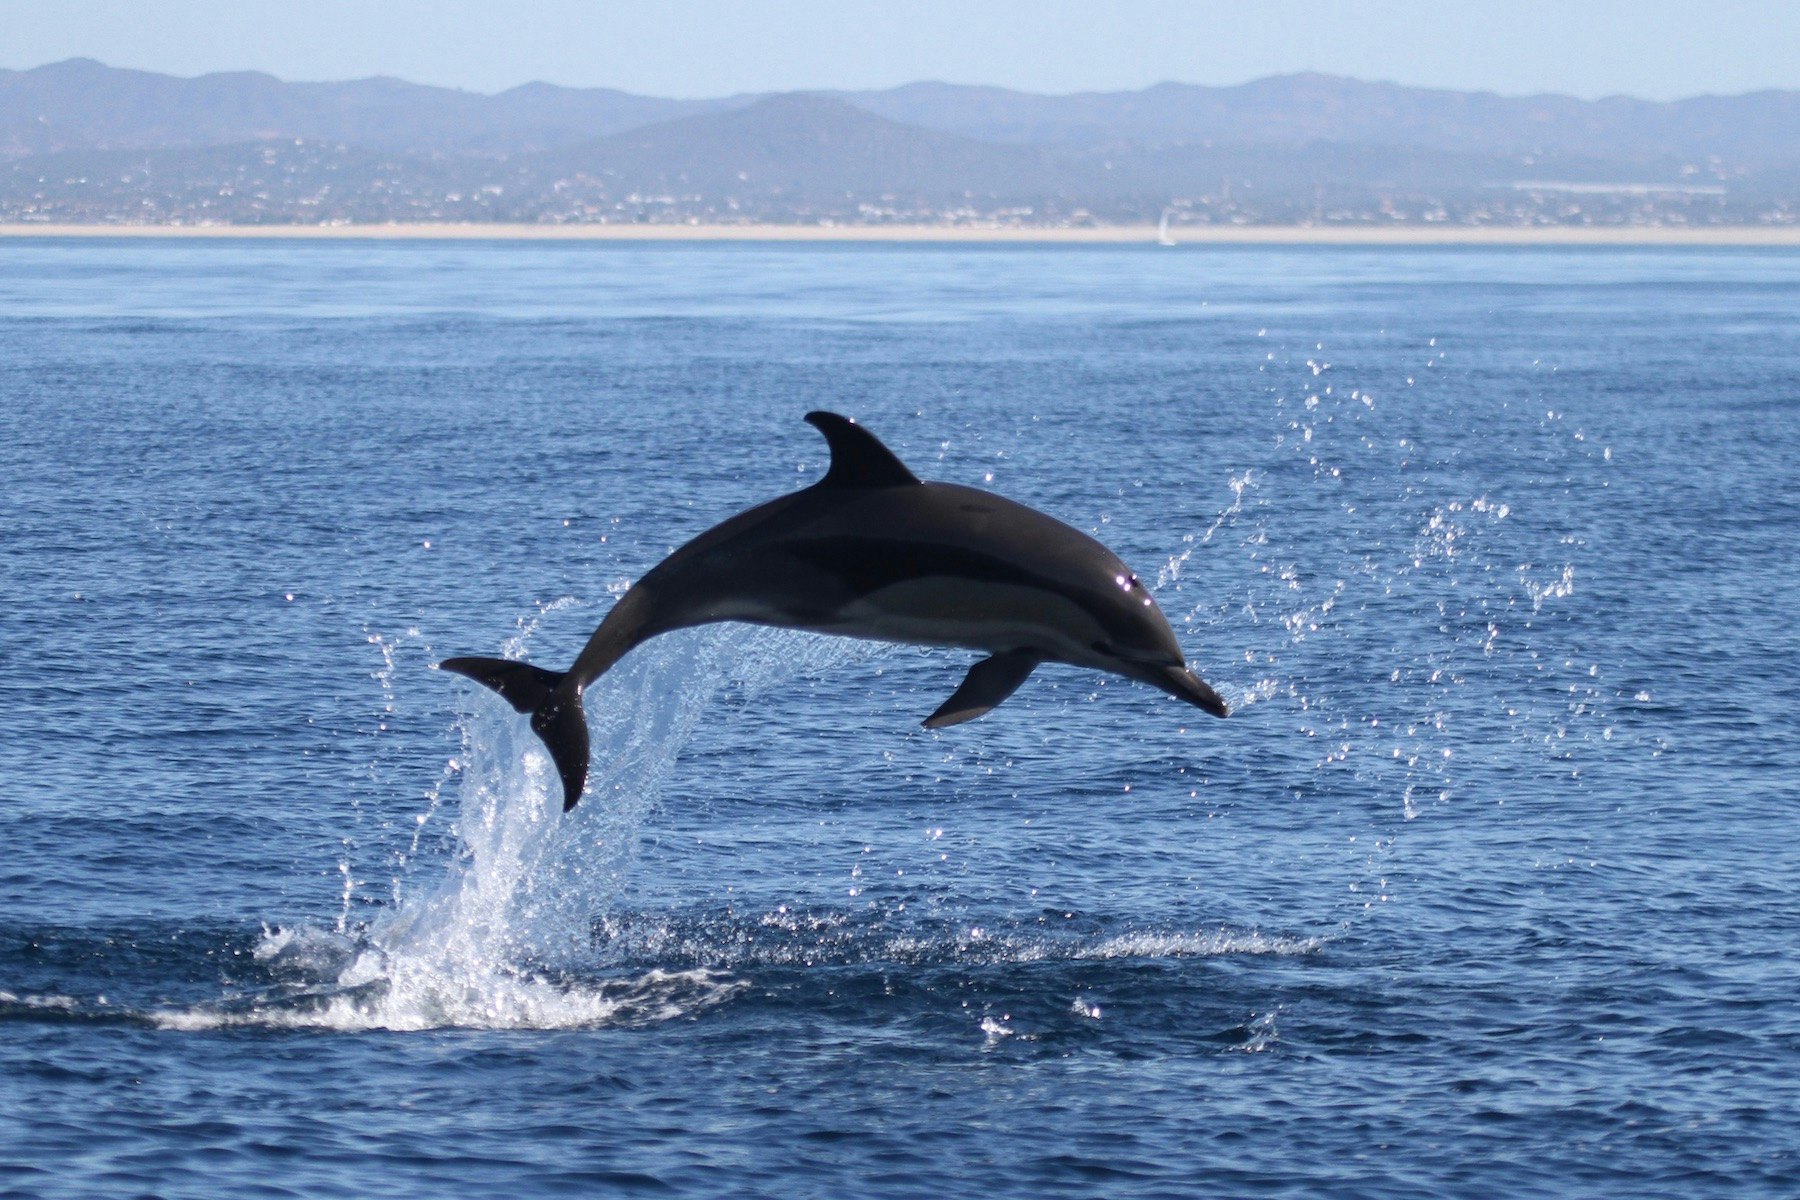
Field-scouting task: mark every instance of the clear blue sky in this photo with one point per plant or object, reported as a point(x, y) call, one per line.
point(1657, 49)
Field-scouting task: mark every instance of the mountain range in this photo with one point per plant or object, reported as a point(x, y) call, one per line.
point(80, 141)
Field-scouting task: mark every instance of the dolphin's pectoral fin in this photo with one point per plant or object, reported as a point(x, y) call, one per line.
point(988, 683)
point(858, 459)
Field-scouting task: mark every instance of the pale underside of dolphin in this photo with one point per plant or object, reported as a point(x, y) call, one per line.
point(870, 551)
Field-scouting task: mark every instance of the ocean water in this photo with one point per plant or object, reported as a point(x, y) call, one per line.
point(1489, 887)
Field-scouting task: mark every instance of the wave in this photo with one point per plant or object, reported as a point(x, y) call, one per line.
point(891, 934)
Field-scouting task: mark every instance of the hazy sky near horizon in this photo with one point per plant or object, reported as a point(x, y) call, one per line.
point(1656, 49)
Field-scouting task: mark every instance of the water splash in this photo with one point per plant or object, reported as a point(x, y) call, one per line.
point(502, 937)
point(1170, 572)
point(1419, 539)
point(361, 984)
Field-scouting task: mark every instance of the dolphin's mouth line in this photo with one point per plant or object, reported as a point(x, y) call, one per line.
point(1113, 655)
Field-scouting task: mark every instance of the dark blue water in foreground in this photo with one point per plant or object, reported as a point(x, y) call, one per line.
point(1489, 888)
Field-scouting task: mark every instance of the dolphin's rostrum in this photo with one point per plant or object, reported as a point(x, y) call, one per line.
point(870, 551)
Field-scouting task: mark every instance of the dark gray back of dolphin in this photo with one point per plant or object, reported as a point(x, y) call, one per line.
point(871, 551)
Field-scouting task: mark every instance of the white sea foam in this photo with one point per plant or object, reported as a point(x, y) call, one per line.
point(51, 1002)
point(736, 942)
point(413, 994)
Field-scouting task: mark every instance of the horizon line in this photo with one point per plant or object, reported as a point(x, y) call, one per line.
point(83, 59)
point(1416, 235)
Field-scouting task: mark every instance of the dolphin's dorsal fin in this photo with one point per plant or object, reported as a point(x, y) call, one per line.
point(858, 459)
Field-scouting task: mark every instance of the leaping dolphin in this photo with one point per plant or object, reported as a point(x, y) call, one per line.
point(871, 551)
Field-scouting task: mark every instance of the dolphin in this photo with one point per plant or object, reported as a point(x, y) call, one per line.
point(871, 551)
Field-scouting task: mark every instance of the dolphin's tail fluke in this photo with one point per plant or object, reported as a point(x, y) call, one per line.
point(555, 710)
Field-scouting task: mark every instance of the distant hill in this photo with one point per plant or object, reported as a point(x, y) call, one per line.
point(82, 141)
point(84, 105)
point(1290, 110)
point(807, 150)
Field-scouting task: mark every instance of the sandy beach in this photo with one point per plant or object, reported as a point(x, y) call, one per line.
point(1294, 235)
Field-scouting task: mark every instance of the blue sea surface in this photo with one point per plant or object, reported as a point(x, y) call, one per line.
point(1489, 887)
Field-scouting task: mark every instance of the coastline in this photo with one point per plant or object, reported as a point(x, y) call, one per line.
point(1255, 235)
